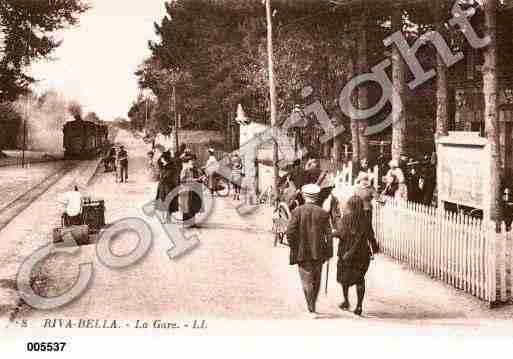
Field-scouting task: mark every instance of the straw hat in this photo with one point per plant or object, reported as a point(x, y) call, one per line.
point(311, 191)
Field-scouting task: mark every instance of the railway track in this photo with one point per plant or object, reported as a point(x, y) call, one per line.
point(16, 162)
point(15, 207)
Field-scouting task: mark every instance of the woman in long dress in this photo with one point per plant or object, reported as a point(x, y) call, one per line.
point(211, 168)
point(190, 201)
point(168, 181)
point(356, 246)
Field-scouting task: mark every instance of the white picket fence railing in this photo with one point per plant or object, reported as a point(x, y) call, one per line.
point(343, 177)
point(464, 252)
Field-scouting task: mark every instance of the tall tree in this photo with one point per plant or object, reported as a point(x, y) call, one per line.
point(399, 95)
point(27, 28)
point(223, 50)
point(363, 92)
point(490, 93)
point(442, 105)
point(354, 125)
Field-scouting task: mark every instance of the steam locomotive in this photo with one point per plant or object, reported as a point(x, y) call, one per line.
point(84, 139)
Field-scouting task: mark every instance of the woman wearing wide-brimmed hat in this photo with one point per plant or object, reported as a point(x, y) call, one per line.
point(355, 249)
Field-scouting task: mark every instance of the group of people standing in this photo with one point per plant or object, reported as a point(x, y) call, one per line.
point(411, 180)
point(117, 161)
point(182, 170)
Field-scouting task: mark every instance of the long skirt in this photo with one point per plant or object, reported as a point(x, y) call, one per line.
point(353, 271)
point(163, 190)
point(190, 201)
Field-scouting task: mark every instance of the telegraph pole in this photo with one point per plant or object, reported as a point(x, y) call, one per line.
point(146, 119)
point(176, 119)
point(25, 119)
point(272, 92)
point(27, 110)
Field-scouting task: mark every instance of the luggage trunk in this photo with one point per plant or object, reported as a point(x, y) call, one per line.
point(93, 214)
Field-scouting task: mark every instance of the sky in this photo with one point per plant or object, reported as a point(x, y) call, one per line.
point(96, 62)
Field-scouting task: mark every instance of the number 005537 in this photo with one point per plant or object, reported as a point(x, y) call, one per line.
point(46, 346)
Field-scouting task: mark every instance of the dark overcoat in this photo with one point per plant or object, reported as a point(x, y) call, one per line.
point(168, 181)
point(191, 200)
point(309, 234)
point(355, 244)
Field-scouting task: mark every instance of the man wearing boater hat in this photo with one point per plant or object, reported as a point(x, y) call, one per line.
point(308, 234)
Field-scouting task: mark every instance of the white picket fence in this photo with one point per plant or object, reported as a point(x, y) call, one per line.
point(343, 177)
point(456, 249)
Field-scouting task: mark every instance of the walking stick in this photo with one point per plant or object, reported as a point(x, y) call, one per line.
point(371, 250)
point(327, 276)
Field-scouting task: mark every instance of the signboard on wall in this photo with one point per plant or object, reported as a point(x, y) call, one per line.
point(463, 175)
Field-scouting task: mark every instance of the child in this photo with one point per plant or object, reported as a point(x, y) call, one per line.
point(236, 176)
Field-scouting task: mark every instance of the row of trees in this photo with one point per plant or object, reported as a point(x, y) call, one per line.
point(213, 53)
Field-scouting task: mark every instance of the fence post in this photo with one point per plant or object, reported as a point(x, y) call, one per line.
point(438, 250)
point(501, 238)
point(480, 231)
point(461, 251)
point(466, 253)
point(492, 261)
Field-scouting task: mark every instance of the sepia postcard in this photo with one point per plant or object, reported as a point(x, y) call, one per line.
point(256, 168)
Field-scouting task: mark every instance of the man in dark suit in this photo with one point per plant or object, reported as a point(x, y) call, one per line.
point(123, 162)
point(309, 237)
